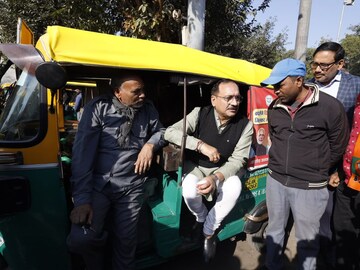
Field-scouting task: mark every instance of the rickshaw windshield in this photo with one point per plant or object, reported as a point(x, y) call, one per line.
point(20, 119)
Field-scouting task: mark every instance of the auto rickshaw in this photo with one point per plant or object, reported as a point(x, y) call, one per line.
point(36, 140)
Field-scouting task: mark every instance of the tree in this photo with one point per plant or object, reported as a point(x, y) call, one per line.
point(230, 30)
point(153, 19)
point(226, 21)
point(142, 19)
point(261, 47)
point(94, 15)
point(138, 18)
point(351, 44)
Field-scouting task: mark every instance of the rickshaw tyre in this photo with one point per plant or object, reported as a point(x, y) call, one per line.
point(258, 238)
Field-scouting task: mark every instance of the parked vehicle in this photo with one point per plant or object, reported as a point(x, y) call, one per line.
point(36, 140)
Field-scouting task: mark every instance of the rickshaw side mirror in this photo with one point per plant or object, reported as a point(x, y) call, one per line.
point(51, 75)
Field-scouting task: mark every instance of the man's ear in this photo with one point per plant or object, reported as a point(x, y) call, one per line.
point(212, 99)
point(341, 64)
point(117, 94)
point(299, 81)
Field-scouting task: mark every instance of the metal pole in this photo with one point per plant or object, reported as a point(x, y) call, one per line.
point(302, 30)
point(340, 23)
point(345, 3)
point(184, 136)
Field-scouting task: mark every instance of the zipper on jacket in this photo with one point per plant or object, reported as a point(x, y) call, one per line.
point(288, 146)
point(288, 141)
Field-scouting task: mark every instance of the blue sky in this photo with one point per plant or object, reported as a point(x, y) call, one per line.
point(324, 20)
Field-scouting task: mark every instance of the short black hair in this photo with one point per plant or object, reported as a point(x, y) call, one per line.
point(215, 88)
point(118, 80)
point(334, 47)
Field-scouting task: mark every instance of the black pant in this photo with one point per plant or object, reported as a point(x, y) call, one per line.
point(90, 242)
point(347, 228)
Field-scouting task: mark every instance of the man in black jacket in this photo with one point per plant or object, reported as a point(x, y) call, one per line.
point(308, 131)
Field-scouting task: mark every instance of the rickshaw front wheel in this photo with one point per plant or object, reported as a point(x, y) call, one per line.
point(258, 238)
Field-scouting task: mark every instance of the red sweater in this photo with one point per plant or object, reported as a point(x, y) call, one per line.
point(349, 153)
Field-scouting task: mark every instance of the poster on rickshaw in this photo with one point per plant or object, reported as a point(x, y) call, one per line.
point(259, 100)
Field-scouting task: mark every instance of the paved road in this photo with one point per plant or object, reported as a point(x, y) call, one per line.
point(231, 255)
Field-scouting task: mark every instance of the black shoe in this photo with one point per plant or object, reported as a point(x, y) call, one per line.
point(209, 248)
point(197, 235)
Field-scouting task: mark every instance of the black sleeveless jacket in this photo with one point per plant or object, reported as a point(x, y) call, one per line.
point(225, 142)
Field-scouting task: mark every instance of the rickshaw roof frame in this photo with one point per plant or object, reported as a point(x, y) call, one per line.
point(85, 84)
point(98, 49)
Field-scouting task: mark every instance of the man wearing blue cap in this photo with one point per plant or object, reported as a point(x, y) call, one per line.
point(308, 130)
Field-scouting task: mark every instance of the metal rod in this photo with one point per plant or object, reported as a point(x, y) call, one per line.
point(183, 141)
point(340, 23)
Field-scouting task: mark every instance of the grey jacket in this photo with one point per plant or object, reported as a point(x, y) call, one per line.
point(97, 157)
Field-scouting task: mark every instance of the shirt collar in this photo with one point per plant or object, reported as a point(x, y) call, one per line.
point(218, 122)
point(337, 78)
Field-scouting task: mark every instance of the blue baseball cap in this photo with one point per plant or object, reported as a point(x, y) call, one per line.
point(283, 69)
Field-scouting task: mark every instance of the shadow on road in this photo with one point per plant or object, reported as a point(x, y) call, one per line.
point(230, 255)
point(289, 263)
point(224, 260)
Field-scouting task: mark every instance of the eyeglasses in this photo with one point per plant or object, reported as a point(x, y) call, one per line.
point(322, 66)
point(228, 99)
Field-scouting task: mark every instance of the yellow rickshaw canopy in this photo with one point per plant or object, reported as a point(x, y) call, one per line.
point(67, 45)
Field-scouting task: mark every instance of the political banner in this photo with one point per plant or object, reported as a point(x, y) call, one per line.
point(259, 100)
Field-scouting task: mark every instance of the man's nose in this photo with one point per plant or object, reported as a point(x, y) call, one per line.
point(234, 102)
point(318, 69)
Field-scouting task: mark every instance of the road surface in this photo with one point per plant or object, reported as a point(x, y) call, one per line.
point(231, 255)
